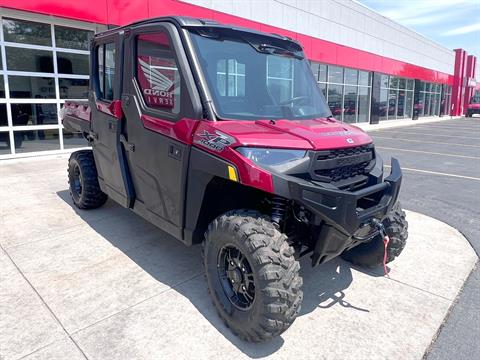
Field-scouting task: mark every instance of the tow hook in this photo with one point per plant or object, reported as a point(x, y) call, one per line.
point(386, 240)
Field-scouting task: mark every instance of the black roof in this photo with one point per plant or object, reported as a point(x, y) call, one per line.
point(190, 22)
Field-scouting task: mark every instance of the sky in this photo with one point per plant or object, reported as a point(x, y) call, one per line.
point(451, 23)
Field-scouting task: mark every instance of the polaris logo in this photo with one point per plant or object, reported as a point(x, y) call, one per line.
point(336, 133)
point(353, 160)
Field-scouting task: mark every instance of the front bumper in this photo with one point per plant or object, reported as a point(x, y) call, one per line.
point(340, 214)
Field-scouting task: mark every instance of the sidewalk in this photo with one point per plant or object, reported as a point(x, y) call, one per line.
point(387, 124)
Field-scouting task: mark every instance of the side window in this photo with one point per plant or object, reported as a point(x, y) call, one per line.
point(157, 72)
point(106, 70)
point(230, 78)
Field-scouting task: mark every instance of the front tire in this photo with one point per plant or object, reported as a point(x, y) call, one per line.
point(83, 181)
point(371, 254)
point(252, 275)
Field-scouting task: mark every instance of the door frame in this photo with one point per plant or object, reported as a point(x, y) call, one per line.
point(113, 110)
point(167, 127)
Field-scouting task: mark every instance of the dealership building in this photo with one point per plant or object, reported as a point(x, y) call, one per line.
point(370, 68)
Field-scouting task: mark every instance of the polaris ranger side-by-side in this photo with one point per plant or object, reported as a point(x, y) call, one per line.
point(219, 135)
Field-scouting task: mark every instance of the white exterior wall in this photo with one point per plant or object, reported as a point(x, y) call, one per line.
point(344, 22)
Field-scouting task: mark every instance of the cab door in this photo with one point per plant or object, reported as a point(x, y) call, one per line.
point(107, 117)
point(162, 109)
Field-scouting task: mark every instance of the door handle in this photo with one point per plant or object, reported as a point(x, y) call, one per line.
point(174, 152)
point(128, 146)
point(93, 135)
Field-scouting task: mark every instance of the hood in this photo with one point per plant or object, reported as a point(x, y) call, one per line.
point(316, 134)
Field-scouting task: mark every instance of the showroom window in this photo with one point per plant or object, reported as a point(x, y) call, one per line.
point(42, 63)
point(346, 90)
point(396, 97)
point(429, 99)
point(447, 102)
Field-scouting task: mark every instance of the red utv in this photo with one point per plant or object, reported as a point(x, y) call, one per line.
point(219, 135)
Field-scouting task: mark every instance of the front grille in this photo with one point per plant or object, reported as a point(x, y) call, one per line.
point(343, 172)
point(343, 165)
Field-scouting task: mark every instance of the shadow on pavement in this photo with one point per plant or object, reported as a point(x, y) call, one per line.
point(323, 287)
point(163, 258)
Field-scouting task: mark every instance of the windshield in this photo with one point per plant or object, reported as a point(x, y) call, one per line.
point(476, 98)
point(255, 77)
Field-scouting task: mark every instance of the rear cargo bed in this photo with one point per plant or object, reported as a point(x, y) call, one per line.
point(76, 116)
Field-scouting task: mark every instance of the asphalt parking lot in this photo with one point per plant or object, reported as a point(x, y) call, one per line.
point(441, 163)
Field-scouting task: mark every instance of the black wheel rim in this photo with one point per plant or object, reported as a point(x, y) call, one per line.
point(76, 182)
point(236, 277)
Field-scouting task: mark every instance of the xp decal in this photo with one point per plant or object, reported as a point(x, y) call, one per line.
point(216, 140)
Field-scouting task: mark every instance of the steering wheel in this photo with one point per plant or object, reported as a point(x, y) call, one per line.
point(293, 100)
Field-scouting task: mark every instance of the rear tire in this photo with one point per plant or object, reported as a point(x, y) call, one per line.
point(83, 181)
point(371, 254)
point(272, 297)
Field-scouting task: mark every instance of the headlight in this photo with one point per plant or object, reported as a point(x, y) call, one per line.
point(272, 157)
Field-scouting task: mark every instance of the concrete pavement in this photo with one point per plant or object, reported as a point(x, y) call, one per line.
point(443, 181)
point(105, 284)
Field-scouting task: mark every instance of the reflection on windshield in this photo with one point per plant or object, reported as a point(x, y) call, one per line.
point(248, 84)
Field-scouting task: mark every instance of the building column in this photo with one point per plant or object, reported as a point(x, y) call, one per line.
point(443, 101)
point(417, 107)
point(375, 99)
point(458, 90)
